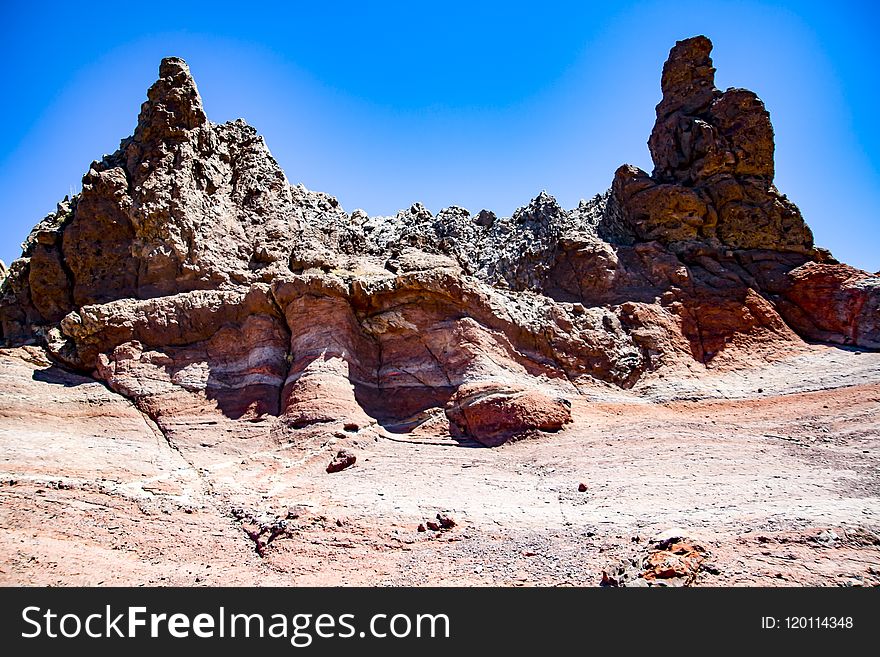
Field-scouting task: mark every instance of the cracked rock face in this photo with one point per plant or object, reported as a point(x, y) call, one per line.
point(190, 276)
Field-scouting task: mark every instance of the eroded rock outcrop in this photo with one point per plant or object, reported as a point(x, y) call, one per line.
point(713, 165)
point(190, 276)
point(711, 201)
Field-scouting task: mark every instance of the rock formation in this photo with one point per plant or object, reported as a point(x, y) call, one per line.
point(190, 276)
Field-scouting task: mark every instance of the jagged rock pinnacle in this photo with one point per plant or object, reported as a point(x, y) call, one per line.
point(171, 67)
point(173, 104)
point(702, 132)
point(713, 166)
point(688, 81)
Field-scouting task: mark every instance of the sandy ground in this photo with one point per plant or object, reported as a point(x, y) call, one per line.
point(770, 472)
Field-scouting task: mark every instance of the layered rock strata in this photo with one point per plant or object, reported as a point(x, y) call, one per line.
point(190, 276)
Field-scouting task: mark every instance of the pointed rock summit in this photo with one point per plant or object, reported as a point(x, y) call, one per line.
point(713, 166)
point(190, 276)
point(702, 132)
point(688, 80)
point(173, 104)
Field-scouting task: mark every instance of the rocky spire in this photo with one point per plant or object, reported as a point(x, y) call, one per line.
point(173, 105)
point(713, 166)
point(702, 132)
point(3, 272)
point(688, 81)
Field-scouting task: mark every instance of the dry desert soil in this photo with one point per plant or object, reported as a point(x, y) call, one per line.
point(768, 475)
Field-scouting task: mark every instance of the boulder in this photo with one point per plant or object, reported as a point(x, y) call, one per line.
point(492, 414)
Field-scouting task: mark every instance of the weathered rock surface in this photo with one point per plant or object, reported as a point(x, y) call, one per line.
point(341, 461)
point(713, 165)
point(92, 493)
point(493, 414)
point(191, 277)
point(826, 301)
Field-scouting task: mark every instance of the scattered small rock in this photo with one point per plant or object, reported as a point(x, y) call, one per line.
point(608, 581)
point(341, 461)
point(710, 568)
point(421, 527)
point(443, 522)
point(446, 521)
point(827, 537)
point(582, 487)
point(669, 536)
point(678, 559)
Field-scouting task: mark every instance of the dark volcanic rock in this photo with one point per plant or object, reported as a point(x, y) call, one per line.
point(713, 165)
point(446, 521)
point(192, 277)
point(341, 461)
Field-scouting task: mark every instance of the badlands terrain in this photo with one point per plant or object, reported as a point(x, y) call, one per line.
point(210, 376)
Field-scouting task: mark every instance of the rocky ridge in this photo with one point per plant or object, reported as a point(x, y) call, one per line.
point(191, 277)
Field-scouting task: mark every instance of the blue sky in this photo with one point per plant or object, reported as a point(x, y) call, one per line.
point(476, 104)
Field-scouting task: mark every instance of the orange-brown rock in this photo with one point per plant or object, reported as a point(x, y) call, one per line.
point(341, 461)
point(833, 303)
point(678, 559)
point(493, 414)
point(713, 165)
point(332, 362)
point(667, 212)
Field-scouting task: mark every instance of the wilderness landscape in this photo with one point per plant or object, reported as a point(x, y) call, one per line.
point(213, 377)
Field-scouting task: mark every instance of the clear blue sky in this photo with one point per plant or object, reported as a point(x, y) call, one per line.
point(474, 104)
